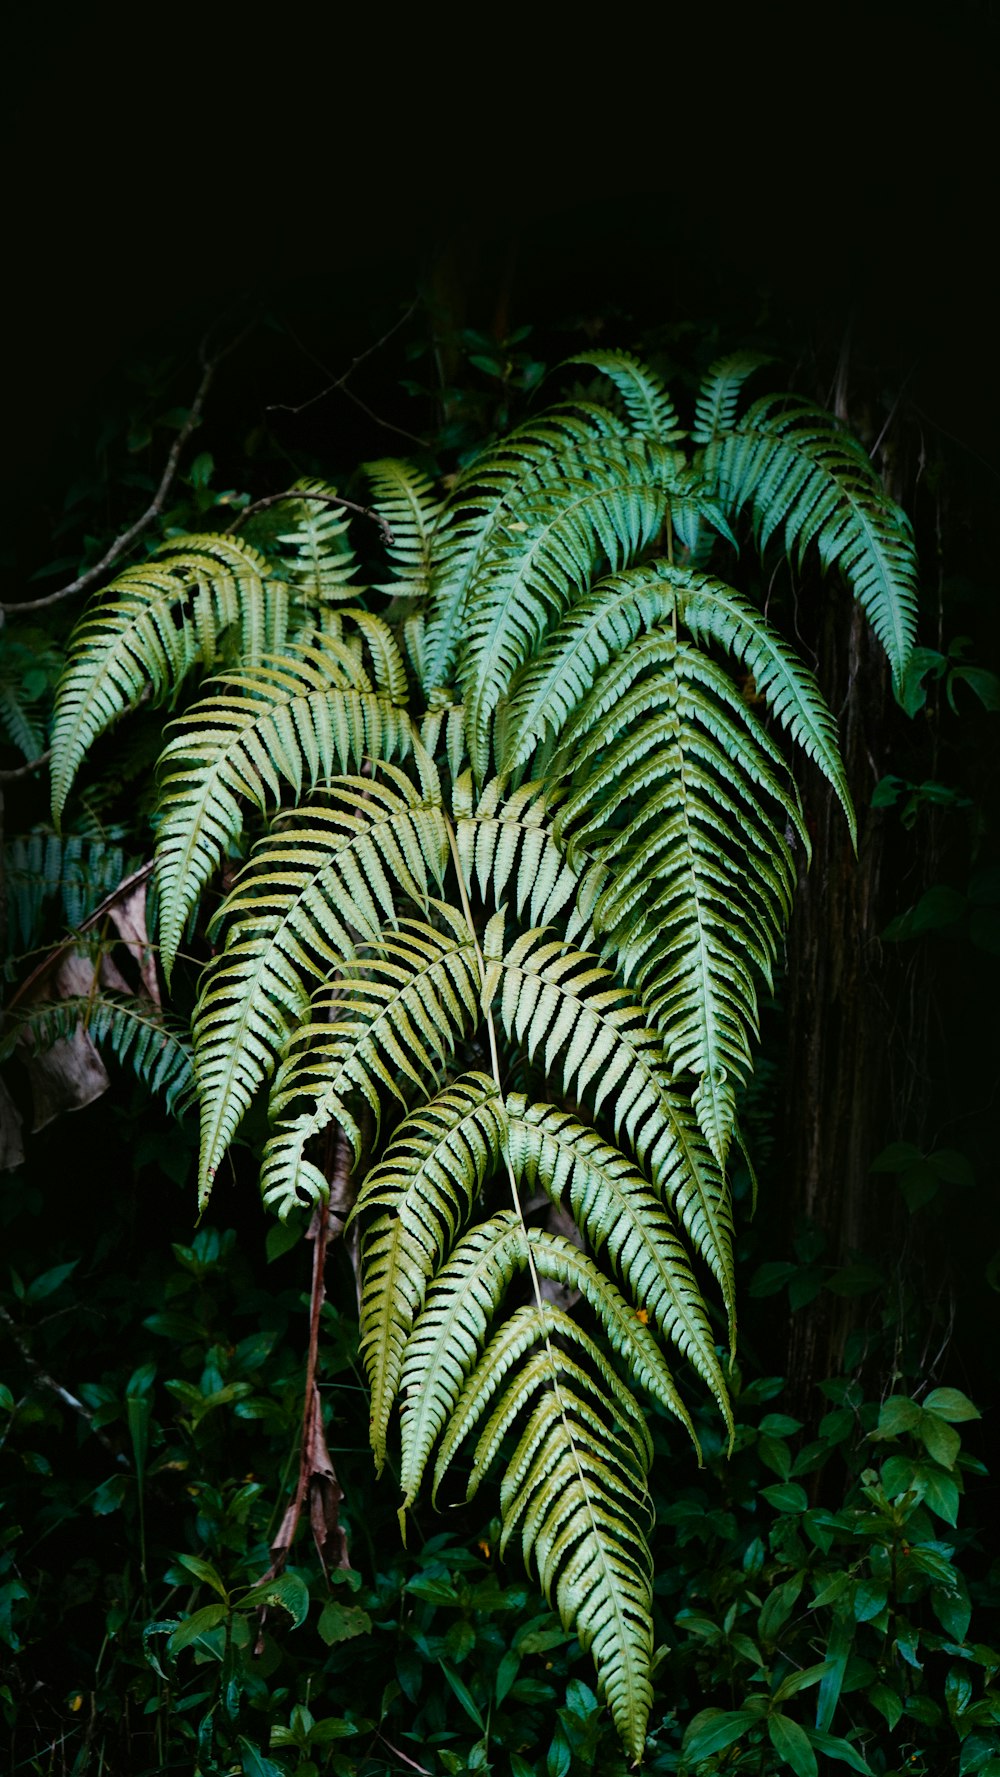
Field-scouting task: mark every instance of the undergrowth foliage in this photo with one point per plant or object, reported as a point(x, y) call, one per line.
point(511, 839)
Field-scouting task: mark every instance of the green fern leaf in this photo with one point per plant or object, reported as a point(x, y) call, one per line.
point(340, 860)
point(583, 1511)
point(570, 1012)
point(649, 407)
point(150, 628)
point(294, 721)
point(138, 1034)
point(450, 1333)
point(426, 1182)
point(617, 1209)
point(404, 497)
point(314, 557)
point(486, 498)
point(795, 468)
point(688, 910)
point(719, 393)
point(502, 831)
point(549, 552)
point(506, 1356)
point(391, 1021)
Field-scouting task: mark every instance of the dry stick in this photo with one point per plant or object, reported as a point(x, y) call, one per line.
point(7, 777)
point(297, 493)
point(158, 502)
point(320, 1232)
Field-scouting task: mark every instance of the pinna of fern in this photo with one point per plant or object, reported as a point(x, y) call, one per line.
point(516, 856)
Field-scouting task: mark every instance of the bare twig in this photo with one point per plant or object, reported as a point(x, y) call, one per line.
point(7, 777)
point(124, 541)
point(317, 1482)
point(63, 1394)
point(340, 382)
point(297, 493)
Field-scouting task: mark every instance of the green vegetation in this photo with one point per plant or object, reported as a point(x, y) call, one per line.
point(476, 834)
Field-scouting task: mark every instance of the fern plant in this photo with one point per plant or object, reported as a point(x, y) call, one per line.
point(515, 852)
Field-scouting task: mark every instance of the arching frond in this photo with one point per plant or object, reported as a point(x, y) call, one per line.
point(314, 555)
point(582, 1506)
point(323, 878)
point(719, 394)
point(571, 1013)
point(151, 627)
point(291, 721)
point(796, 469)
point(503, 830)
point(608, 509)
point(138, 1034)
point(649, 407)
point(487, 496)
point(696, 765)
point(404, 497)
point(575, 1484)
point(709, 608)
point(388, 1025)
point(425, 1183)
point(617, 1209)
point(505, 1365)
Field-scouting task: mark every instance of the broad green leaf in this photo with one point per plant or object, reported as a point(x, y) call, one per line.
point(342, 1622)
point(791, 1743)
point(194, 1627)
point(714, 1729)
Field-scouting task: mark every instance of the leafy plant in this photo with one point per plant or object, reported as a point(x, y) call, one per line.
point(527, 848)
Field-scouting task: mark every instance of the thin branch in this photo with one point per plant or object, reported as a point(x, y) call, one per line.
point(340, 382)
point(296, 493)
point(7, 777)
point(124, 541)
point(63, 1394)
point(317, 1483)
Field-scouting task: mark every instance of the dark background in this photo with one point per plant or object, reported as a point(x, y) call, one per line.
point(837, 165)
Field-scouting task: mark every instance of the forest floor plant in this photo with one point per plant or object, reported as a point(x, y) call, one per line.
point(507, 844)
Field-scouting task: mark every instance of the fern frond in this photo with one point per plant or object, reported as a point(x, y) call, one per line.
point(548, 689)
point(536, 1323)
point(138, 1034)
point(700, 769)
point(583, 1507)
point(486, 497)
point(791, 464)
point(325, 875)
point(506, 829)
point(617, 1210)
point(314, 557)
point(392, 1019)
point(291, 721)
point(571, 1013)
point(719, 394)
point(41, 865)
point(709, 608)
point(151, 627)
point(450, 1333)
point(649, 407)
point(404, 497)
point(578, 1486)
point(607, 512)
point(426, 1183)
